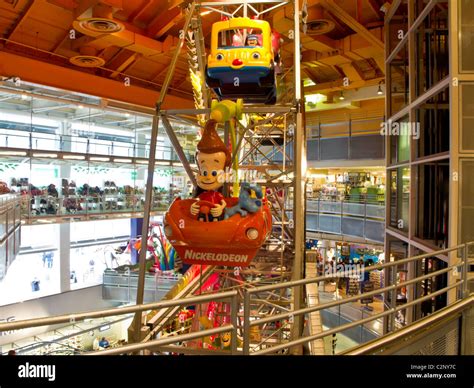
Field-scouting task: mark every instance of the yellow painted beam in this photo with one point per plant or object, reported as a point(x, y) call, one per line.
point(346, 18)
point(338, 85)
point(22, 18)
point(123, 62)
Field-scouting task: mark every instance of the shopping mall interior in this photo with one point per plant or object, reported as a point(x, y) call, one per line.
point(302, 172)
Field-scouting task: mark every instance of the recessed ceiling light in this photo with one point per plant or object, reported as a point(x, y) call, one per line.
point(41, 155)
point(13, 153)
point(74, 157)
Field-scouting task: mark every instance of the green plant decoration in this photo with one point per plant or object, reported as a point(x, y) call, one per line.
point(164, 172)
point(91, 170)
point(8, 166)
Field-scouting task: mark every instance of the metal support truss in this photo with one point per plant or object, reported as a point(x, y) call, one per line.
point(135, 330)
point(272, 147)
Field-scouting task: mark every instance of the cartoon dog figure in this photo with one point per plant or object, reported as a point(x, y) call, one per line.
point(246, 204)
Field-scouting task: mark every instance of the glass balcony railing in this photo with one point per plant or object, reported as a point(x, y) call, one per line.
point(41, 206)
point(10, 221)
point(82, 145)
point(364, 217)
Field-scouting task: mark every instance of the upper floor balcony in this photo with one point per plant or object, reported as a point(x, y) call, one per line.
point(10, 221)
point(362, 217)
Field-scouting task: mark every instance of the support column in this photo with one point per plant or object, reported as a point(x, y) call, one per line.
point(64, 245)
point(136, 225)
point(299, 201)
point(64, 169)
point(64, 242)
point(137, 331)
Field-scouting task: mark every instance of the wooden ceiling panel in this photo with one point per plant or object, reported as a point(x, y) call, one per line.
point(152, 28)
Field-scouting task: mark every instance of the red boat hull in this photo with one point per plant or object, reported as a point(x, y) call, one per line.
point(223, 242)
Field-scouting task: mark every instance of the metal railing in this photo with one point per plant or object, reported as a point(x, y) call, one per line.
point(408, 339)
point(458, 290)
point(461, 286)
point(230, 296)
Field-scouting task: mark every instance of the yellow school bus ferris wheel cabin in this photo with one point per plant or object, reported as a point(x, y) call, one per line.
point(251, 65)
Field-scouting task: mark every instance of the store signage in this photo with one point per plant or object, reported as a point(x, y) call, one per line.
point(214, 258)
point(7, 320)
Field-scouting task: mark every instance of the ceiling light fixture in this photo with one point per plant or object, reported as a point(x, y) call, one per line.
point(41, 155)
point(74, 157)
point(341, 97)
point(379, 91)
point(12, 153)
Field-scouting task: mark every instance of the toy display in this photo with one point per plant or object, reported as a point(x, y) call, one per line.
point(246, 203)
point(160, 250)
point(72, 199)
point(213, 229)
point(4, 188)
point(213, 158)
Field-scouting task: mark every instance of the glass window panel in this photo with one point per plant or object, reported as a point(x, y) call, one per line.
point(466, 37)
point(399, 198)
point(467, 115)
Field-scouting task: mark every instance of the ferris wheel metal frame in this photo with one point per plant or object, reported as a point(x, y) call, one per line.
point(283, 255)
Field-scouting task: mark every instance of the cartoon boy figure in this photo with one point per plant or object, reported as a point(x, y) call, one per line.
point(252, 40)
point(212, 158)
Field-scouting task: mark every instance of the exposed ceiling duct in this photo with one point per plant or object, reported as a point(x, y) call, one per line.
point(106, 32)
point(316, 23)
point(87, 58)
point(100, 20)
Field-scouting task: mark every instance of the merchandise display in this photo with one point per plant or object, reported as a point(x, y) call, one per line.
point(348, 185)
point(47, 200)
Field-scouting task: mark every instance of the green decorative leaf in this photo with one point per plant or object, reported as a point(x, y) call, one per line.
point(164, 172)
point(8, 166)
